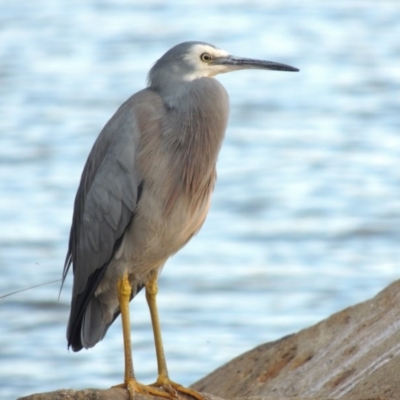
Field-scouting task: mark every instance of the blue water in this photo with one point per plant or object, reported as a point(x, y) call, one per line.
point(306, 214)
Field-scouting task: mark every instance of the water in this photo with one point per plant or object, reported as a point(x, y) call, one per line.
point(305, 216)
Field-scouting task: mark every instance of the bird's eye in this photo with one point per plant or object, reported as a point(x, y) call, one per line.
point(205, 57)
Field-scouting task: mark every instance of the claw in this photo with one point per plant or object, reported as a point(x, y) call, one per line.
point(173, 388)
point(133, 386)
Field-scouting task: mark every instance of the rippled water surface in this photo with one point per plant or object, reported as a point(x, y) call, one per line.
point(305, 215)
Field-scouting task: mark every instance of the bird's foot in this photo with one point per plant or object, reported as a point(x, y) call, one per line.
point(172, 389)
point(133, 386)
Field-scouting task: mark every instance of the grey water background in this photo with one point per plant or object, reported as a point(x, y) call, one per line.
point(305, 215)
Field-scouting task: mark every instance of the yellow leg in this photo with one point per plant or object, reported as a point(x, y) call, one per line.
point(130, 383)
point(163, 380)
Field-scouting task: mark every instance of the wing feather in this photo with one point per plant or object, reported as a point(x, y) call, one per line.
point(104, 206)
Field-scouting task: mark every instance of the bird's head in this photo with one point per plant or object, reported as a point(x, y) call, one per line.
point(188, 61)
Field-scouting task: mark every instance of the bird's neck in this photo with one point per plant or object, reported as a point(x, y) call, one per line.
point(198, 114)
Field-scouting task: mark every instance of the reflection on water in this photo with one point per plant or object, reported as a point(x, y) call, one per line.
point(305, 216)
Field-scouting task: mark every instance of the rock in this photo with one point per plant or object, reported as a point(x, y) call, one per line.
point(352, 355)
point(87, 394)
point(96, 394)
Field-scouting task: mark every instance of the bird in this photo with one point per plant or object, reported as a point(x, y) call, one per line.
point(144, 192)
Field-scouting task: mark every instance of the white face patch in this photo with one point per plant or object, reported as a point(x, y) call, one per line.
point(201, 68)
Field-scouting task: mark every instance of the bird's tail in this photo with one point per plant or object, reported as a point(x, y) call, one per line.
point(92, 326)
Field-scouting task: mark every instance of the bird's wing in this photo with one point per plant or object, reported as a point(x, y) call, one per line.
point(105, 203)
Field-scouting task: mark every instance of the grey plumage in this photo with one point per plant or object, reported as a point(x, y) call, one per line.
point(103, 209)
point(146, 187)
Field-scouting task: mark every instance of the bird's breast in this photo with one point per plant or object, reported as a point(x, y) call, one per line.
point(156, 234)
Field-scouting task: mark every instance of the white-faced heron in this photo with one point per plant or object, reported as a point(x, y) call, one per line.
point(144, 192)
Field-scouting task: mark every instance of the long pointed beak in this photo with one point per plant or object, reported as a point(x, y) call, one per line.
point(233, 63)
